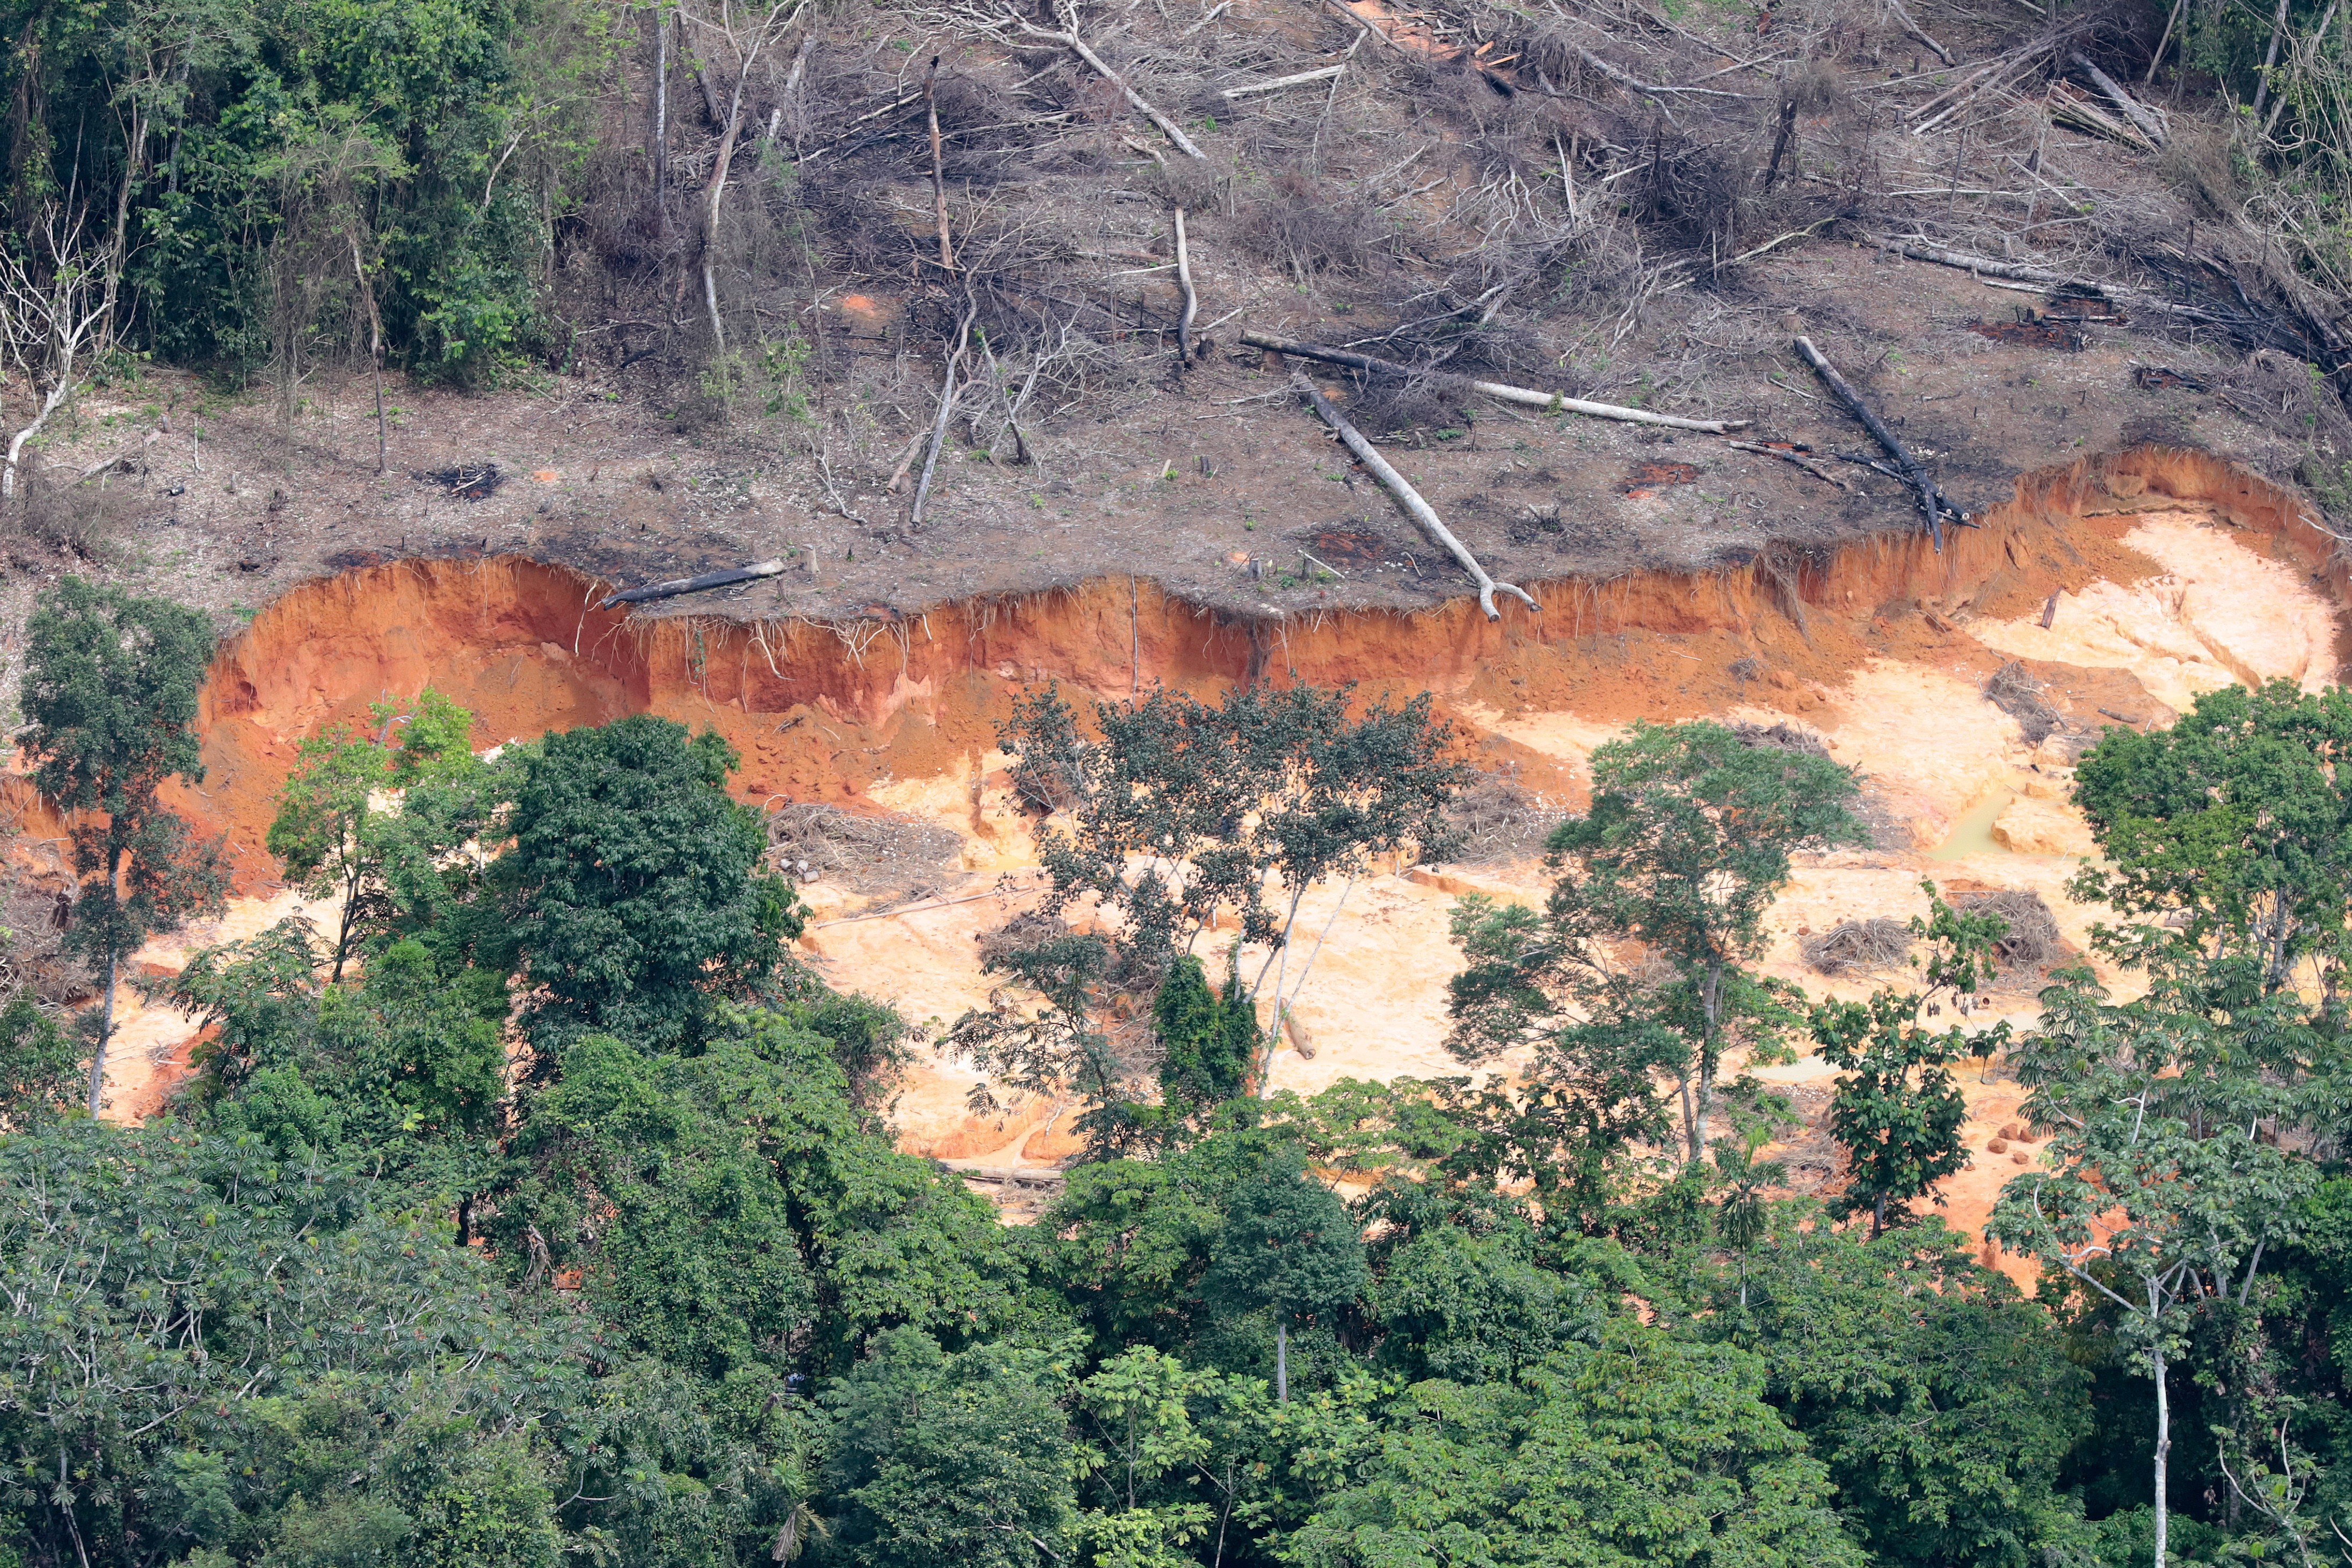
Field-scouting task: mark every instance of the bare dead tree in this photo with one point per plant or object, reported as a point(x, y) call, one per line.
point(54, 303)
point(745, 32)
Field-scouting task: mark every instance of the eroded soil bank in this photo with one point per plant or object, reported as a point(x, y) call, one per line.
point(2173, 573)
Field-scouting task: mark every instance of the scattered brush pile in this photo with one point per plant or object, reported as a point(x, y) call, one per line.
point(1501, 820)
point(2033, 944)
point(1781, 737)
point(1019, 934)
point(892, 859)
point(1858, 947)
point(2019, 694)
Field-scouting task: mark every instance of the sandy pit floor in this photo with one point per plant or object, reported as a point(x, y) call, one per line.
point(1957, 793)
point(1952, 770)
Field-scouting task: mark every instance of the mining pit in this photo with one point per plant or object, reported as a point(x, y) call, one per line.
point(2112, 590)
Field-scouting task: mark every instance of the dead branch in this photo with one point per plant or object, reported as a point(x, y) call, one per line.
point(1933, 505)
point(1992, 74)
point(1278, 83)
point(1810, 467)
point(52, 308)
point(1078, 46)
point(678, 585)
point(939, 426)
point(1357, 18)
point(1625, 79)
point(1526, 397)
point(748, 35)
point(1407, 497)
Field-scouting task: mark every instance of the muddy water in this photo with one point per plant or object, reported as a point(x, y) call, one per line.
point(2173, 575)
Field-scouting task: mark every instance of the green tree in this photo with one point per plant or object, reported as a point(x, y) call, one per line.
point(1640, 1448)
point(1945, 1407)
point(1180, 817)
point(1475, 1303)
point(1286, 1248)
point(2236, 824)
point(961, 1458)
point(40, 1068)
point(630, 891)
point(111, 685)
point(1209, 1038)
point(1896, 1110)
point(1138, 1406)
point(251, 1360)
point(1687, 842)
point(330, 834)
point(2160, 1189)
point(763, 1223)
point(1742, 1215)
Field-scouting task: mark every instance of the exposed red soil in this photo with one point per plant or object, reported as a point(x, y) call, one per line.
point(879, 711)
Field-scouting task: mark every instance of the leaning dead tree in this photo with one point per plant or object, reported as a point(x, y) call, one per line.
point(1408, 498)
point(1933, 505)
point(53, 305)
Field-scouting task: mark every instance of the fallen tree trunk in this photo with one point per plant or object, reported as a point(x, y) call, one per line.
point(1527, 397)
point(1912, 27)
point(678, 585)
point(2070, 106)
point(2132, 110)
point(1407, 497)
point(2138, 299)
point(1933, 506)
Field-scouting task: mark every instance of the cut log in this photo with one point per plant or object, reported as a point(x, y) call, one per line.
point(1526, 396)
point(1407, 497)
point(1933, 506)
point(678, 585)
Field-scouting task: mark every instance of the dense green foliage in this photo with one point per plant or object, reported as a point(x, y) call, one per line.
point(251, 164)
point(328, 833)
point(565, 1225)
